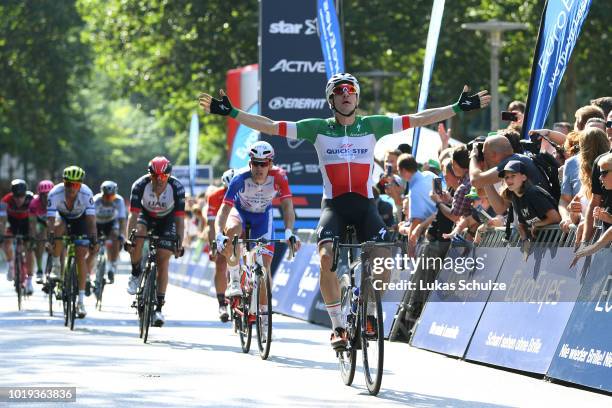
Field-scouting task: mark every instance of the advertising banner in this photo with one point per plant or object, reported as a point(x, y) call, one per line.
point(452, 311)
point(559, 32)
point(521, 326)
point(584, 354)
point(292, 87)
point(331, 40)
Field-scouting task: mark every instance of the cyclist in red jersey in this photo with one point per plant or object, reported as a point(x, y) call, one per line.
point(345, 148)
point(38, 222)
point(214, 201)
point(14, 208)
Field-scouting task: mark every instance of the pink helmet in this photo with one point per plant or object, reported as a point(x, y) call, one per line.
point(45, 186)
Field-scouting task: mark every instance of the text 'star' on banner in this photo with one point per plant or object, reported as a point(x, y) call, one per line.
point(559, 32)
point(292, 79)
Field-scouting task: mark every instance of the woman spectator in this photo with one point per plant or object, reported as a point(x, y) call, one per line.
point(534, 205)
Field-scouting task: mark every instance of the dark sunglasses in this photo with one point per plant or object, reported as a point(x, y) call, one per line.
point(604, 173)
point(259, 164)
point(609, 124)
point(341, 89)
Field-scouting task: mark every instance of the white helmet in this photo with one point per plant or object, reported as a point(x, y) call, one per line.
point(108, 187)
point(227, 176)
point(261, 151)
point(338, 79)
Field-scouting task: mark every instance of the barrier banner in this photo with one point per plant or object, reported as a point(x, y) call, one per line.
point(292, 87)
point(521, 326)
point(295, 283)
point(559, 31)
point(584, 354)
point(193, 271)
point(450, 317)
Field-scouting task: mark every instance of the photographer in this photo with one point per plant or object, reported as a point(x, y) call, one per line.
point(461, 203)
point(497, 152)
point(435, 246)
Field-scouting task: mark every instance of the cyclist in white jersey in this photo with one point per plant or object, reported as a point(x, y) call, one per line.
point(345, 148)
point(71, 211)
point(111, 217)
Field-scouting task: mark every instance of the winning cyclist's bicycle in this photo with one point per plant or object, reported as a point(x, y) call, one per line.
point(362, 314)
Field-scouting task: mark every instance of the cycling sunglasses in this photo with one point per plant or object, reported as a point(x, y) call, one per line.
point(609, 124)
point(342, 88)
point(72, 184)
point(259, 163)
point(160, 177)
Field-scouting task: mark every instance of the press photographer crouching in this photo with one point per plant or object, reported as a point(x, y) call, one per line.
point(534, 205)
point(434, 246)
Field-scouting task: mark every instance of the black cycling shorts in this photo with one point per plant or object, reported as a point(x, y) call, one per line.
point(164, 227)
point(350, 209)
point(77, 226)
point(18, 226)
point(105, 229)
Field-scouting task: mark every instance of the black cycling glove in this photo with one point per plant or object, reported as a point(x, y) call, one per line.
point(467, 102)
point(221, 107)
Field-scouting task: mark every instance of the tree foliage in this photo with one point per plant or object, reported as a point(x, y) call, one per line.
point(108, 83)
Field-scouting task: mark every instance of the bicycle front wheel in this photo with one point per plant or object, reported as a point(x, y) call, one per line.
point(17, 279)
point(347, 359)
point(101, 268)
point(74, 290)
point(264, 318)
point(149, 299)
point(372, 336)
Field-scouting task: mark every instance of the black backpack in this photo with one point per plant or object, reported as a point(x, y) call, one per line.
point(549, 167)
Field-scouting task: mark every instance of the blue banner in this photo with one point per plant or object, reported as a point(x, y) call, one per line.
point(194, 133)
point(430, 55)
point(521, 325)
point(584, 354)
point(245, 137)
point(331, 40)
point(559, 31)
point(449, 318)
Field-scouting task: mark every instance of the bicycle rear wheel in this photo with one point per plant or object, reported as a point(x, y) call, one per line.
point(373, 340)
point(74, 290)
point(149, 299)
point(264, 319)
point(347, 359)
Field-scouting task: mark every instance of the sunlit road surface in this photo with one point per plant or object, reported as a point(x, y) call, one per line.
point(195, 360)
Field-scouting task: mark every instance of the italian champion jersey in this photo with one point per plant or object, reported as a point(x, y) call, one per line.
point(346, 153)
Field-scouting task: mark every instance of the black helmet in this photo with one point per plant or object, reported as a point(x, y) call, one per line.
point(19, 187)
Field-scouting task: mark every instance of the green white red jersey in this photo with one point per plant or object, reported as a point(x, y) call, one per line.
point(346, 153)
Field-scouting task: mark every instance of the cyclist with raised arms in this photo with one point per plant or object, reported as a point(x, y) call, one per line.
point(111, 218)
point(157, 204)
point(14, 208)
point(214, 202)
point(71, 211)
point(248, 200)
point(345, 148)
point(38, 222)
